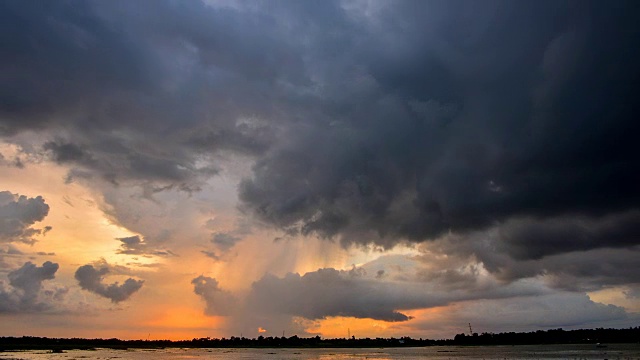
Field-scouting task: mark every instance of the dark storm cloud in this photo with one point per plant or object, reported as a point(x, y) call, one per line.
point(403, 122)
point(138, 91)
point(525, 239)
point(17, 215)
point(26, 283)
point(91, 279)
point(60, 56)
point(528, 109)
point(455, 261)
point(577, 271)
point(219, 301)
point(65, 152)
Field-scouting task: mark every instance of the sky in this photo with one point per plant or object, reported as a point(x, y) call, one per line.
point(181, 169)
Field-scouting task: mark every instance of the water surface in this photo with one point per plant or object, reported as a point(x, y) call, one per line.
point(616, 351)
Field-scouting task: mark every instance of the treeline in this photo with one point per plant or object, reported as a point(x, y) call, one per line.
point(555, 336)
point(41, 343)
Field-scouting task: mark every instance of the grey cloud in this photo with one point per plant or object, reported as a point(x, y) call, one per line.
point(589, 266)
point(29, 277)
point(74, 42)
point(113, 269)
point(633, 293)
point(130, 242)
point(26, 283)
point(527, 239)
point(218, 301)
point(17, 215)
point(91, 279)
point(329, 292)
point(465, 277)
point(42, 253)
point(65, 152)
point(224, 240)
point(14, 161)
point(211, 254)
point(273, 302)
point(57, 294)
point(144, 91)
point(563, 309)
point(326, 292)
point(135, 245)
point(592, 270)
point(11, 250)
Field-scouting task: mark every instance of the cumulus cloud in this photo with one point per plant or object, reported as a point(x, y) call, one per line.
point(17, 215)
point(91, 279)
point(26, 285)
point(277, 301)
point(327, 292)
point(293, 300)
point(218, 301)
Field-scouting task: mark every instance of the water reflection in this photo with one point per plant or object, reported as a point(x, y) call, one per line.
point(548, 352)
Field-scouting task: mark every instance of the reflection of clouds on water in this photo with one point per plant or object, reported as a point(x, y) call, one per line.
point(548, 352)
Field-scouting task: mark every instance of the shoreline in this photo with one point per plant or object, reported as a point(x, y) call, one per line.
point(596, 337)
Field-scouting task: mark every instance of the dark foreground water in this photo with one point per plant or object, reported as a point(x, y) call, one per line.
point(617, 352)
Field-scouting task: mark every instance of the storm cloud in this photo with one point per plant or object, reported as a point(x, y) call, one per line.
point(471, 130)
point(534, 239)
point(587, 266)
point(369, 133)
point(91, 279)
point(103, 68)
